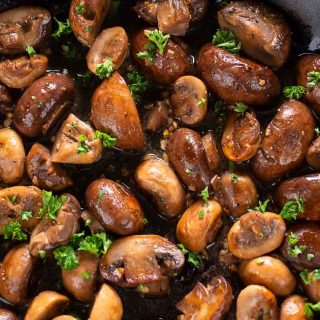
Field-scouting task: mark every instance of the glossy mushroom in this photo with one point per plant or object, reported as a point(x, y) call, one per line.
point(158, 117)
point(6, 314)
point(312, 288)
point(293, 308)
point(313, 154)
point(6, 100)
point(212, 153)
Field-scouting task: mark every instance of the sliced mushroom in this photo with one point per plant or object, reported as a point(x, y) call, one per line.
point(12, 156)
point(18, 275)
point(86, 25)
point(113, 111)
point(81, 282)
point(42, 104)
point(6, 314)
point(68, 146)
point(107, 305)
point(147, 10)
point(47, 305)
point(313, 154)
point(141, 260)
point(16, 200)
point(156, 178)
point(211, 150)
point(188, 157)
point(269, 272)
point(255, 234)
point(199, 224)
point(43, 173)
point(21, 72)
point(158, 117)
point(22, 27)
point(49, 234)
point(111, 44)
point(91, 221)
point(210, 302)
point(189, 99)
point(241, 136)
point(115, 207)
point(293, 308)
point(257, 302)
point(312, 289)
point(6, 101)
point(236, 192)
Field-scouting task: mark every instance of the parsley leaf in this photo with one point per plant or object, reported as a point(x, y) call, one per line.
point(204, 194)
point(51, 204)
point(79, 9)
point(107, 140)
point(11, 199)
point(262, 206)
point(30, 51)
point(309, 308)
point(13, 231)
point(66, 257)
point(304, 276)
point(76, 239)
point(104, 69)
point(202, 102)
point(137, 84)
point(201, 214)
point(82, 145)
point(240, 108)
point(193, 257)
point(85, 275)
point(226, 39)
point(291, 209)
point(96, 243)
point(26, 215)
point(292, 239)
point(64, 29)
point(296, 250)
point(42, 254)
point(313, 78)
point(317, 131)
point(85, 76)
point(294, 92)
point(260, 261)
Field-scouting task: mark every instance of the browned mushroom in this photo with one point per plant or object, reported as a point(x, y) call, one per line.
point(189, 99)
point(46, 305)
point(188, 157)
point(158, 117)
point(64, 317)
point(21, 72)
point(241, 136)
point(86, 25)
point(43, 103)
point(147, 10)
point(16, 200)
point(111, 44)
point(114, 206)
point(113, 111)
point(75, 143)
point(293, 308)
point(91, 221)
point(199, 225)
point(312, 289)
point(257, 302)
point(210, 302)
point(107, 305)
point(82, 281)
point(18, 275)
point(212, 153)
point(313, 154)
point(255, 234)
point(156, 178)
point(43, 173)
point(141, 260)
point(269, 272)
point(6, 314)
point(49, 233)
point(6, 101)
point(22, 27)
point(12, 156)
point(236, 192)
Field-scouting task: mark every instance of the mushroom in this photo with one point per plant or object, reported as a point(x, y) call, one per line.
point(210, 302)
point(12, 156)
point(293, 308)
point(91, 221)
point(212, 152)
point(157, 179)
point(189, 99)
point(82, 281)
point(17, 200)
point(269, 272)
point(49, 233)
point(158, 117)
point(313, 154)
point(47, 305)
point(86, 25)
point(115, 207)
point(141, 260)
point(257, 302)
point(255, 234)
point(22, 27)
point(65, 317)
point(111, 44)
point(18, 275)
point(107, 305)
point(21, 72)
point(43, 173)
point(6, 314)
point(312, 288)
point(75, 143)
point(199, 224)
point(6, 101)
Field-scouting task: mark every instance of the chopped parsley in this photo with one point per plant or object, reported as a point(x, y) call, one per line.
point(304, 276)
point(145, 221)
point(260, 261)
point(87, 28)
point(85, 275)
point(202, 102)
point(188, 171)
point(291, 209)
point(79, 9)
point(26, 215)
point(88, 222)
point(234, 177)
point(317, 131)
point(30, 51)
point(137, 84)
point(64, 29)
point(13, 231)
point(96, 243)
point(240, 108)
point(85, 76)
point(201, 214)
point(42, 254)
point(104, 70)
point(66, 257)
point(226, 39)
point(294, 92)
point(11, 199)
point(204, 194)
point(310, 256)
point(262, 206)
point(313, 78)
point(292, 239)
point(100, 195)
point(310, 308)
point(193, 257)
point(107, 140)
point(51, 204)
point(82, 145)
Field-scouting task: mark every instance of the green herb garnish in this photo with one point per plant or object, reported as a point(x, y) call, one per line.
point(79, 9)
point(294, 92)
point(262, 206)
point(226, 39)
point(85, 275)
point(13, 231)
point(104, 70)
point(107, 140)
point(240, 108)
point(30, 51)
point(26, 215)
point(96, 243)
point(193, 257)
point(137, 84)
point(82, 145)
point(204, 194)
point(291, 209)
point(66, 257)
point(51, 204)
point(64, 29)
point(313, 78)
point(310, 308)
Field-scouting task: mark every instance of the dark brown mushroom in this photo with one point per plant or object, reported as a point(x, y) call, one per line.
point(47, 305)
point(210, 302)
point(212, 153)
point(115, 207)
point(91, 221)
point(158, 117)
point(312, 289)
point(22, 27)
point(293, 308)
point(313, 154)
point(49, 233)
point(6, 314)
point(86, 25)
point(6, 101)
point(43, 103)
point(18, 275)
point(43, 173)
point(21, 72)
point(141, 260)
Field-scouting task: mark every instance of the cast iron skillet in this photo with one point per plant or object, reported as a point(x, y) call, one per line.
point(303, 17)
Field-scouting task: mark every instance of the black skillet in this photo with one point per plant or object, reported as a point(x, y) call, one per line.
point(303, 17)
